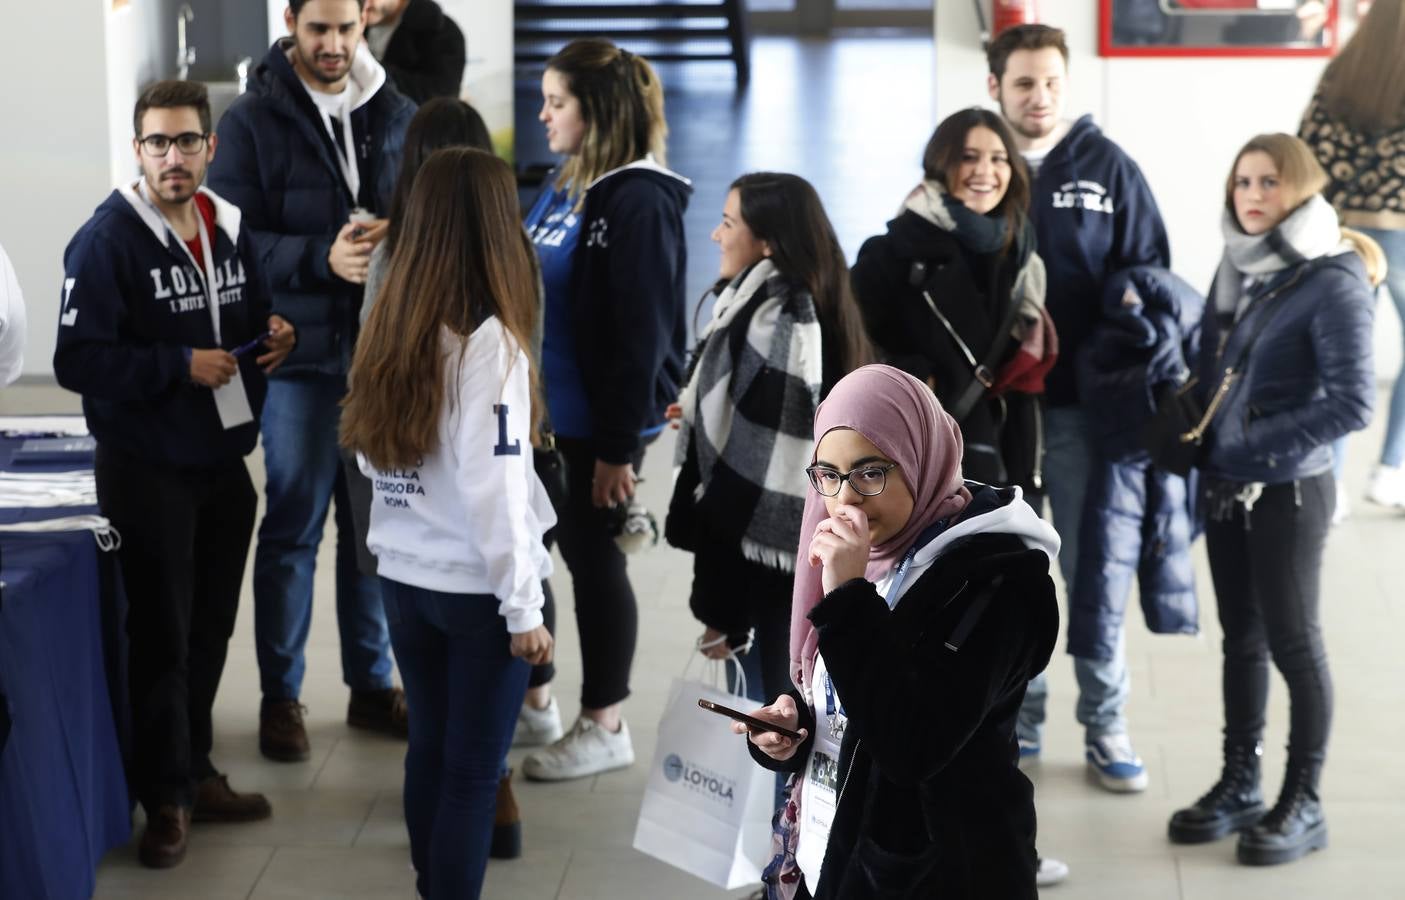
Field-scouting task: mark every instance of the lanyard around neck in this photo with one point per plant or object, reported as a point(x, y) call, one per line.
point(207, 271)
point(900, 573)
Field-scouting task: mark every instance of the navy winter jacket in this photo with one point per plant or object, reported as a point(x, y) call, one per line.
point(629, 313)
point(1309, 378)
point(133, 302)
point(1138, 520)
point(276, 163)
point(1093, 215)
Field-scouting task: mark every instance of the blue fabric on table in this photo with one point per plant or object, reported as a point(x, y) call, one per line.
point(63, 792)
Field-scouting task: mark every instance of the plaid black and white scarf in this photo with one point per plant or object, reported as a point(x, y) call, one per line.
point(750, 409)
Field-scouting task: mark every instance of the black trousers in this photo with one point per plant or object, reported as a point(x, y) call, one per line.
point(733, 594)
point(1267, 569)
point(607, 615)
point(185, 539)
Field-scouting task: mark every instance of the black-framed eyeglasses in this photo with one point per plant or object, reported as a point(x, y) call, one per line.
point(187, 142)
point(867, 481)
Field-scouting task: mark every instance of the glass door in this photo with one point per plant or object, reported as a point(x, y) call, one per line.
point(820, 16)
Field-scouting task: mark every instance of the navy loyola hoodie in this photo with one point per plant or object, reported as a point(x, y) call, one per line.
point(1093, 215)
point(133, 301)
point(629, 318)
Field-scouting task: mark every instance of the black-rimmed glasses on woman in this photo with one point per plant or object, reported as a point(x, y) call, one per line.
point(867, 481)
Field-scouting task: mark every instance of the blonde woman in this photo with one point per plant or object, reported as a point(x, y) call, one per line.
point(1290, 313)
point(608, 229)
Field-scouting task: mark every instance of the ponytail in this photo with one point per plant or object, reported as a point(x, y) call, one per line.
point(650, 91)
point(621, 101)
point(1372, 256)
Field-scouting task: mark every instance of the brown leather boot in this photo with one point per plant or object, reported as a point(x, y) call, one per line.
point(164, 841)
point(282, 736)
point(216, 801)
point(507, 823)
point(384, 711)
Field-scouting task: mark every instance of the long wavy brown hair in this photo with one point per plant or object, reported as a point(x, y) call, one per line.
point(462, 257)
point(1365, 85)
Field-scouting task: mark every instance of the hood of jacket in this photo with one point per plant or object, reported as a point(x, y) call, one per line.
point(365, 81)
point(995, 511)
point(227, 216)
point(680, 187)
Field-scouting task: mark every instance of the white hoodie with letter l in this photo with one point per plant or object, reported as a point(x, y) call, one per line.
point(469, 518)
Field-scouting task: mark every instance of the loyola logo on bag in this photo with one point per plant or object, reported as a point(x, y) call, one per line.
point(699, 780)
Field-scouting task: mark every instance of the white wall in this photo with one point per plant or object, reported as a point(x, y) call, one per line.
point(54, 161)
point(487, 79)
point(1181, 119)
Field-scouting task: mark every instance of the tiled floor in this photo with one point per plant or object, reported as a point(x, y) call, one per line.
point(337, 830)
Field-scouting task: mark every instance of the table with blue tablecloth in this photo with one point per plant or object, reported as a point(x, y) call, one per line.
point(63, 793)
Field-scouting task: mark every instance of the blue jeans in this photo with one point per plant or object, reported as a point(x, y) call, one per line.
point(1393, 243)
point(464, 689)
point(1103, 685)
point(299, 426)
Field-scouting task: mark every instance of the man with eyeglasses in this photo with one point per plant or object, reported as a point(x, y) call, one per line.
point(311, 154)
point(166, 330)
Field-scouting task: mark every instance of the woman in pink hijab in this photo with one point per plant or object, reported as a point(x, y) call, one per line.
point(922, 606)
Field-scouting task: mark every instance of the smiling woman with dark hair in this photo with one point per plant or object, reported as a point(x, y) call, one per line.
point(954, 295)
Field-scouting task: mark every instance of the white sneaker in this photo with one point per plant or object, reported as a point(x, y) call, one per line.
point(1051, 872)
point(537, 727)
point(1387, 486)
point(587, 749)
point(1341, 511)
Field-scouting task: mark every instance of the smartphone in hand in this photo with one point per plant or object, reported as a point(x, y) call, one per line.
point(751, 721)
point(245, 348)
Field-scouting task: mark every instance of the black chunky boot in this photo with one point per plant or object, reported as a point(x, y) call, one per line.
point(1294, 827)
point(1234, 802)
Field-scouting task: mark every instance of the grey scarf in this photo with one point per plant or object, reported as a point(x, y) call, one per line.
point(1310, 231)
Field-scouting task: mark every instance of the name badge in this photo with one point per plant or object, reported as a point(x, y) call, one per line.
point(232, 403)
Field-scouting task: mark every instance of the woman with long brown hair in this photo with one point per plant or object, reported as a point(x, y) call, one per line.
point(442, 415)
point(608, 229)
point(784, 330)
point(1356, 127)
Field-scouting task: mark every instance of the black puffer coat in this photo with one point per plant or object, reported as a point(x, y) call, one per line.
point(276, 164)
point(974, 291)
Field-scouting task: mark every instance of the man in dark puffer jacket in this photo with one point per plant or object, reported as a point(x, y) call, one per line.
point(317, 138)
point(1137, 519)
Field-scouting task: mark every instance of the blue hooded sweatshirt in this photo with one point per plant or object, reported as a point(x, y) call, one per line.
point(1094, 215)
point(133, 304)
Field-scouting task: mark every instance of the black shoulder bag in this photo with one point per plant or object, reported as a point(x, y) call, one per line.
point(550, 464)
point(983, 370)
point(1176, 432)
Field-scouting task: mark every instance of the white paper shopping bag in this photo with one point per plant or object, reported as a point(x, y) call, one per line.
point(707, 804)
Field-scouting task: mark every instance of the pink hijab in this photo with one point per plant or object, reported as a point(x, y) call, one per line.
point(902, 418)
